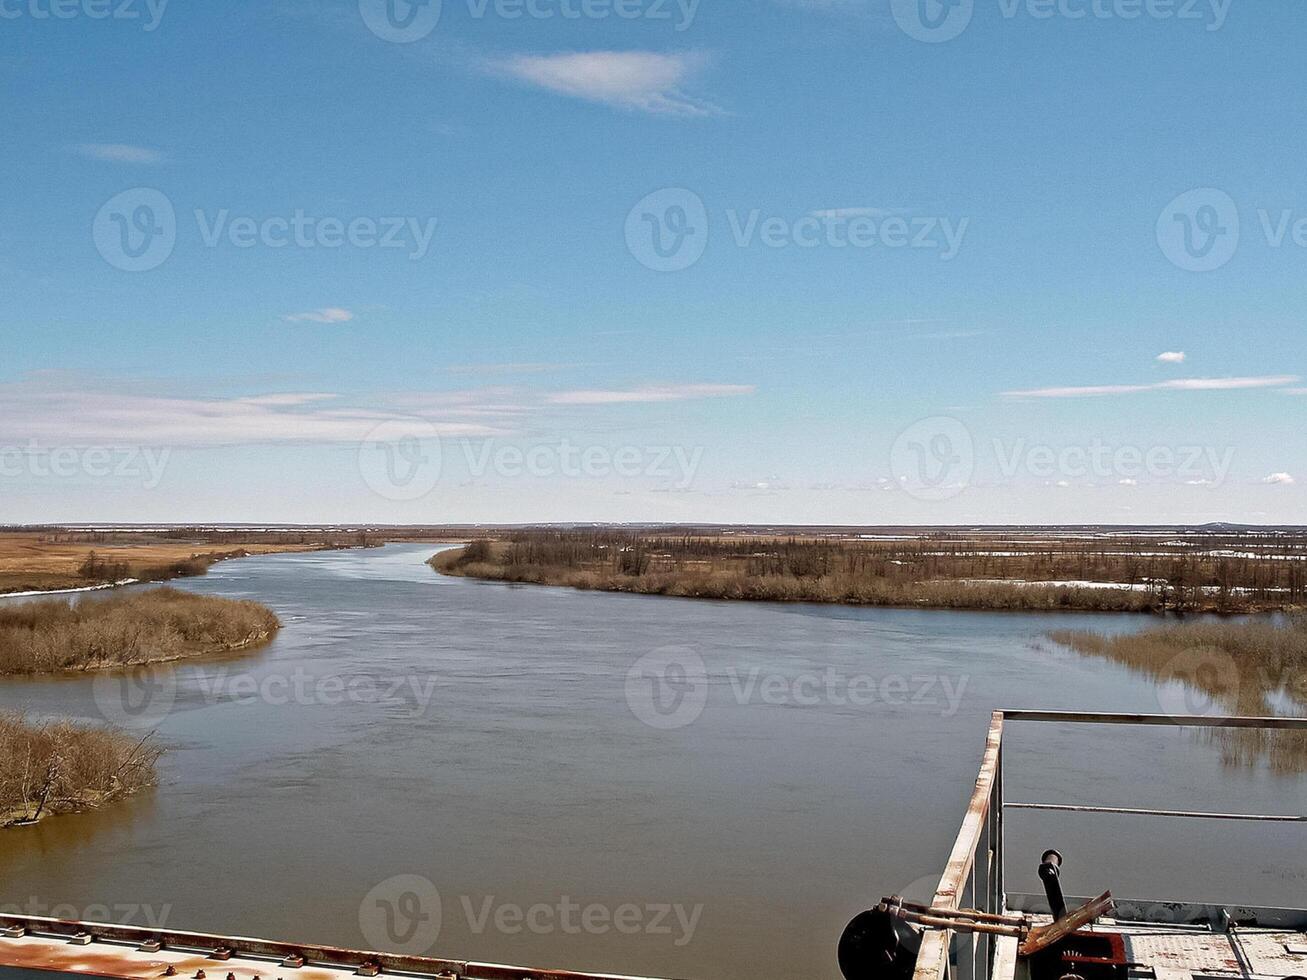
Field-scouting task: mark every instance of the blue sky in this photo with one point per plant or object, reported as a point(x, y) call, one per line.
point(915, 262)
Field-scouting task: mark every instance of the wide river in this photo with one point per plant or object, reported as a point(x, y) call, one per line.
point(419, 761)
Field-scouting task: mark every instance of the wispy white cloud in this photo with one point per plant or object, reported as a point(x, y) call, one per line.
point(497, 405)
point(119, 153)
point(54, 410)
point(1227, 384)
point(1172, 357)
point(643, 81)
point(56, 415)
point(1179, 384)
point(1281, 479)
point(289, 399)
point(648, 393)
point(329, 314)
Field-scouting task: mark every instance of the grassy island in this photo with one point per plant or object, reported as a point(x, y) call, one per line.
point(123, 630)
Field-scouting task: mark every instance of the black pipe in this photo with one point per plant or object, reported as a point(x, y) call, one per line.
point(1051, 875)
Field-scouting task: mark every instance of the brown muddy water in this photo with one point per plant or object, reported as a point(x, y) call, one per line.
point(492, 772)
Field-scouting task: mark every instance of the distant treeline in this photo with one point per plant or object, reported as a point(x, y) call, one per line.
point(102, 571)
point(312, 537)
point(1222, 573)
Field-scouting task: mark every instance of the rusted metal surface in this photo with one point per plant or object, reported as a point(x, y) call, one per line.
point(1260, 953)
point(890, 904)
point(932, 961)
point(1184, 721)
point(1046, 936)
point(1199, 814)
point(1177, 915)
point(116, 951)
point(987, 805)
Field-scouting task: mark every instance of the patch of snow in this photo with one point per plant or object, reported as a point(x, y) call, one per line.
point(88, 588)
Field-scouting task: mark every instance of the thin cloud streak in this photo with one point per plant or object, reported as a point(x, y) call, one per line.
point(329, 314)
point(642, 81)
point(88, 418)
point(1179, 384)
point(647, 394)
point(48, 412)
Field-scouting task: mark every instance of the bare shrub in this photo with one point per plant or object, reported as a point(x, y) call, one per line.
point(58, 767)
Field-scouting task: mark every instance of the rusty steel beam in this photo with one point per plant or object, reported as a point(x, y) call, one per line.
point(932, 960)
point(1046, 936)
point(1201, 814)
point(127, 952)
point(895, 902)
point(1183, 721)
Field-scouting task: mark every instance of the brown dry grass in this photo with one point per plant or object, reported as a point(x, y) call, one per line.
point(1242, 667)
point(59, 767)
point(35, 562)
point(145, 627)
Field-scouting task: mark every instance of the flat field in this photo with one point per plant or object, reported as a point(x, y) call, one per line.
point(46, 561)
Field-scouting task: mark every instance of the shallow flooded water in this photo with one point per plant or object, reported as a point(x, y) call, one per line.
point(532, 775)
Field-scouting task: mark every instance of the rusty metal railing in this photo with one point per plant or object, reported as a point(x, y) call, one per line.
point(125, 952)
point(974, 873)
